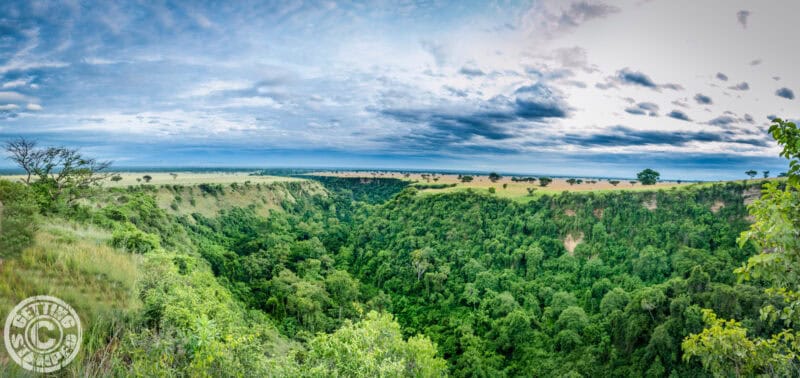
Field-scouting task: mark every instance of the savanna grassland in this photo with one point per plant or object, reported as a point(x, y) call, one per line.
point(346, 276)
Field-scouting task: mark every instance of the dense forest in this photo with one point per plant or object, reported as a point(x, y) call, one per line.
point(374, 278)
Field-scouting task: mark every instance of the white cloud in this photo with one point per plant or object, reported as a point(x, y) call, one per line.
point(213, 86)
point(15, 83)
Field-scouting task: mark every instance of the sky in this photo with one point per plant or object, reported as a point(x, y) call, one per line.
point(595, 88)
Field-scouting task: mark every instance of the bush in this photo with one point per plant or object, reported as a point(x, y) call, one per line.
point(131, 239)
point(17, 218)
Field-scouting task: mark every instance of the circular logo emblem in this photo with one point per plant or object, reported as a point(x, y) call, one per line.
point(43, 334)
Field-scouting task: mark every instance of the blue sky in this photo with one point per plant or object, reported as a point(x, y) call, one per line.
point(546, 87)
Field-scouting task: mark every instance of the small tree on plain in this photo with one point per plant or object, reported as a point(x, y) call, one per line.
point(752, 173)
point(494, 176)
point(648, 177)
point(766, 174)
point(147, 178)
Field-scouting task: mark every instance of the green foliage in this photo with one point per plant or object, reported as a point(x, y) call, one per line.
point(723, 347)
point(373, 347)
point(490, 280)
point(129, 238)
point(648, 177)
point(373, 190)
point(17, 218)
point(494, 176)
point(788, 135)
point(544, 181)
point(433, 186)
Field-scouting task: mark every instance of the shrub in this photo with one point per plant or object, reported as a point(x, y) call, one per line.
point(131, 239)
point(17, 218)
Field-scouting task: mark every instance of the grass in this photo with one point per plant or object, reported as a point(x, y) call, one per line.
point(74, 263)
point(183, 178)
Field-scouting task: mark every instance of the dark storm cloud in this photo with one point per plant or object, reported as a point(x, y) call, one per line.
point(626, 76)
point(722, 121)
point(677, 114)
point(743, 86)
point(742, 16)
point(702, 99)
point(722, 76)
point(643, 108)
point(499, 118)
point(785, 93)
point(621, 136)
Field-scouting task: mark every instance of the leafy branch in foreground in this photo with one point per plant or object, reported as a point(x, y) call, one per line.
point(723, 347)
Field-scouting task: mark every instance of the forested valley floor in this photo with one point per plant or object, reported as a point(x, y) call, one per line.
point(342, 277)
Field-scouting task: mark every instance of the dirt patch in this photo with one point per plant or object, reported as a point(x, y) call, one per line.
point(569, 212)
point(651, 204)
point(570, 242)
point(716, 206)
point(751, 194)
point(598, 213)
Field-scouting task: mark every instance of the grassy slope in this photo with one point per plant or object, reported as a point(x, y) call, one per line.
point(74, 263)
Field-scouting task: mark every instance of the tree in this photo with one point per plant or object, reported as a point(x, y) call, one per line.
point(24, 153)
point(752, 173)
point(342, 288)
point(59, 172)
point(648, 177)
point(373, 347)
point(466, 179)
point(419, 260)
point(766, 173)
point(613, 182)
point(147, 178)
point(493, 177)
point(544, 181)
point(571, 181)
point(530, 191)
point(116, 178)
point(174, 175)
point(492, 190)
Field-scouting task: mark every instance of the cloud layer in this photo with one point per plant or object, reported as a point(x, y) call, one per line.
point(412, 84)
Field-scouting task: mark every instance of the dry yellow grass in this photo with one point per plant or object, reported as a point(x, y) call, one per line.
point(183, 178)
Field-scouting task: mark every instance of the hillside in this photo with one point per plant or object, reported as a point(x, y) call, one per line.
point(604, 283)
